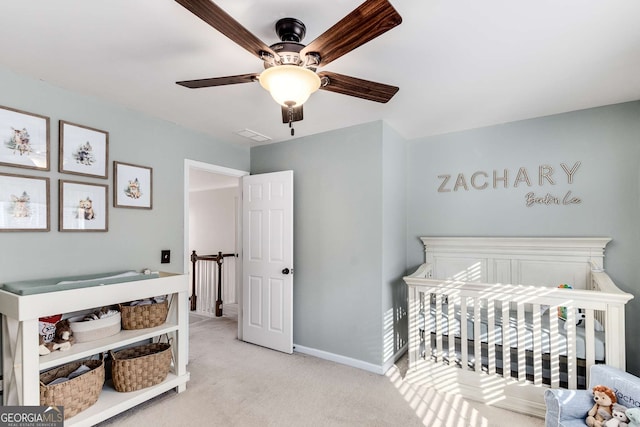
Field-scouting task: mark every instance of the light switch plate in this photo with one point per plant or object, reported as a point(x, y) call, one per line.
point(165, 256)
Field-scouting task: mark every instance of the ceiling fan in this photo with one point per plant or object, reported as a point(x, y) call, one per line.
point(291, 68)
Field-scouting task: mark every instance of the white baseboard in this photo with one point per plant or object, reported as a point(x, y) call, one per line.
point(392, 360)
point(343, 360)
point(349, 361)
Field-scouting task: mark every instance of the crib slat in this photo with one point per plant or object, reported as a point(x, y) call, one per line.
point(521, 326)
point(453, 301)
point(414, 327)
point(491, 337)
point(506, 340)
point(430, 324)
point(589, 340)
point(554, 353)
point(439, 327)
point(464, 347)
point(537, 345)
point(477, 334)
point(572, 375)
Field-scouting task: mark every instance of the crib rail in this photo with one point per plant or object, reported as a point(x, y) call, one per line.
point(514, 331)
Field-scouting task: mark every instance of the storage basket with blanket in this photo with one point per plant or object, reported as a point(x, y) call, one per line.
point(76, 386)
point(140, 367)
point(144, 314)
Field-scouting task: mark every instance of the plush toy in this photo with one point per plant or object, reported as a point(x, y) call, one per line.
point(62, 340)
point(618, 416)
point(634, 417)
point(604, 399)
point(64, 336)
point(43, 348)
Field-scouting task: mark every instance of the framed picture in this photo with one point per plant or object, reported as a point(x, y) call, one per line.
point(83, 150)
point(82, 206)
point(24, 203)
point(132, 186)
point(24, 139)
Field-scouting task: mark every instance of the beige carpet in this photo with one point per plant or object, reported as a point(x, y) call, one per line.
point(238, 384)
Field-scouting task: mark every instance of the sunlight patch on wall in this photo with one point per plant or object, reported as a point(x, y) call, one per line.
point(471, 274)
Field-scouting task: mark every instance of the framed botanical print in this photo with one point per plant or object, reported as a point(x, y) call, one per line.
point(82, 206)
point(83, 150)
point(132, 186)
point(24, 139)
point(24, 203)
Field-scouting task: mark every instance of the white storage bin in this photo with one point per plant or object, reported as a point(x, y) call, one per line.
point(90, 330)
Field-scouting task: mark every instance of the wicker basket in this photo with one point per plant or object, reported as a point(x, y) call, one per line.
point(140, 367)
point(76, 394)
point(144, 316)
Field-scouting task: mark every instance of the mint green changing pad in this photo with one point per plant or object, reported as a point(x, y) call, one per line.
point(39, 286)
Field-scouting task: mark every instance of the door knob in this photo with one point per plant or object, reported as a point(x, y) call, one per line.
point(285, 271)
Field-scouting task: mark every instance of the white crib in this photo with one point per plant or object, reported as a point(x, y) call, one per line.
point(463, 308)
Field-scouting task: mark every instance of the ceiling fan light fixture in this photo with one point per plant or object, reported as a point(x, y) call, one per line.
point(289, 85)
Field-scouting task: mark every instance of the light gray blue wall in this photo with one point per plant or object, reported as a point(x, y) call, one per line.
point(607, 142)
point(394, 228)
point(338, 216)
point(135, 237)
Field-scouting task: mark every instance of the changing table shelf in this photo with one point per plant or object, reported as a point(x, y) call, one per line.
point(22, 364)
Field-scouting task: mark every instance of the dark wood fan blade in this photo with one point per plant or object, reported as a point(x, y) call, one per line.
point(369, 20)
point(296, 116)
point(219, 81)
point(213, 15)
point(359, 88)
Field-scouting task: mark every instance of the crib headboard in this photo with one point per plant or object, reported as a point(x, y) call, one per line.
point(546, 261)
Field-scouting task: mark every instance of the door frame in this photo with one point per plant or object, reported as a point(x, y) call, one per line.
point(221, 170)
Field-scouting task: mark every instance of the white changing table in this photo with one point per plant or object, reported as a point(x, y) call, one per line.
point(22, 364)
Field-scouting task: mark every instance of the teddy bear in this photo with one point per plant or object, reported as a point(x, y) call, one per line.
point(618, 416)
point(62, 340)
point(604, 399)
point(634, 417)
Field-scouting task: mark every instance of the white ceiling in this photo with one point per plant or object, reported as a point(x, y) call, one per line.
point(459, 64)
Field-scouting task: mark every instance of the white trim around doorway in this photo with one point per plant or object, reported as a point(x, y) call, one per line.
point(222, 170)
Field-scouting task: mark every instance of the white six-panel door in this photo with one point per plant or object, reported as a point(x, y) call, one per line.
point(267, 278)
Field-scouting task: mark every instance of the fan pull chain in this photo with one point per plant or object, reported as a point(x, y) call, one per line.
point(291, 120)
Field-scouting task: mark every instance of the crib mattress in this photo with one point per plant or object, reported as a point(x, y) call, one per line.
point(30, 287)
point(599, 336)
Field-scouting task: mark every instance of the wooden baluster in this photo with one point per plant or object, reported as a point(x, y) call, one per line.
point(194, 297)
point(219, 260)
